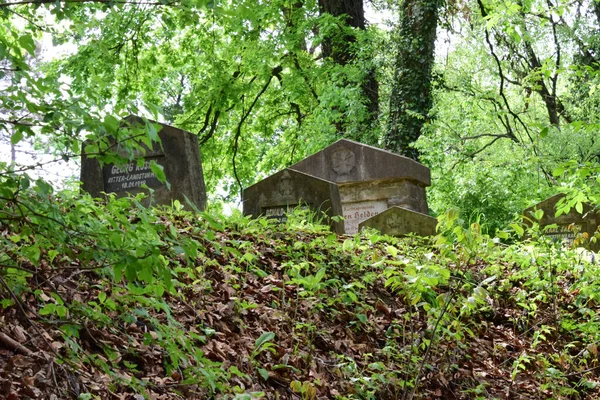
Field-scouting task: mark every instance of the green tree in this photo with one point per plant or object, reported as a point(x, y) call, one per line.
point(502, 120)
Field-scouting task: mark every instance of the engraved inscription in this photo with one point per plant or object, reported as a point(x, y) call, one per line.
point(355, 213)
point(343, 161)
point(129, 177)
point(562, 233)
point(280, 213)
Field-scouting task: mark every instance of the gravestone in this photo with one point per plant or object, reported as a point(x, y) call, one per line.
point(370, 180)
point(399, 221)
point(277, 194)
point(178, 154)
point(566, 224)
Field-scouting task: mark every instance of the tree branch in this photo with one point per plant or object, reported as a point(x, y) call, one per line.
point(238, 130)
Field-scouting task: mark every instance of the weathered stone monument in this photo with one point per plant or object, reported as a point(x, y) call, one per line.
point(355, 181)
point(370, 180)
point(178, 154)
point(399, 221)
point(274, 196)
point(567, 225)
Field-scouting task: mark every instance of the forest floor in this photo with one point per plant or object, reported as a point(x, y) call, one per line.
point(272, 312)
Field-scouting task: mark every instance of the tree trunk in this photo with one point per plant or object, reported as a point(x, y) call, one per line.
point(339, 48)
point(411, 99)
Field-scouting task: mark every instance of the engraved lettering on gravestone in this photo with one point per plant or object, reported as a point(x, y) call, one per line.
point(355, 213)
point(129, 176)
point(343, 161)
point(563, 233)
point(277, 213)
point(280, 213)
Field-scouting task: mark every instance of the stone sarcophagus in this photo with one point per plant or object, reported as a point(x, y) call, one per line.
point(370, 180)
point(355, 181)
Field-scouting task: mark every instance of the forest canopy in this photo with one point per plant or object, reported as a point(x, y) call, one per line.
point(509, 96)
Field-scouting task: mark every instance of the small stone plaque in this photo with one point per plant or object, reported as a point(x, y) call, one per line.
point(563, 233)
point(179, 155)
point(355, 213)
point(399, 221)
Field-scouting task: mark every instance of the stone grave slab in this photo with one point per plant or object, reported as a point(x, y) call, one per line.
point(587, 222)
point(277, 194)
point(179, 155)
point(399, 221)
point(370, 180)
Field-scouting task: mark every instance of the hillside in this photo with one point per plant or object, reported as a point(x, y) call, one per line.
point(114, 301)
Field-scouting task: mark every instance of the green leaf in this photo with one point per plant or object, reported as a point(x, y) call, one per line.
point(27, 42)
point(320, 274)
point(502, 235)
point(52, 255)
point(91, 149)
point(48, 309)
point(579, 207)
point(362, 318)
point(101, 297)
point(518, 229)
point(158, 170)
point(32, 253)
point(61, 311)
point(159, 290)
point(393, 251)
point(16, 137)
point(558, 171)
point(42, 188)
point(214, 224)
point(263, 373)
point(111, 124)
point(264, 338)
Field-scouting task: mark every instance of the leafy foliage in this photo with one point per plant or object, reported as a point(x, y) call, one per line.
point(164, 302)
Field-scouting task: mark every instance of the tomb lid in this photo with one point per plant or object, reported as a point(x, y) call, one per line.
point(347, 161)
point(400, 221)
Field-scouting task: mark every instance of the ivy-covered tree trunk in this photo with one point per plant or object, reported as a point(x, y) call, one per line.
point(410, 99)
point(339, 48)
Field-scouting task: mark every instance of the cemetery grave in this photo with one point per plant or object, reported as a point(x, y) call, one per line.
point(568, 225)
point(274, 196)
point(177, 153)
point(367, 182)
